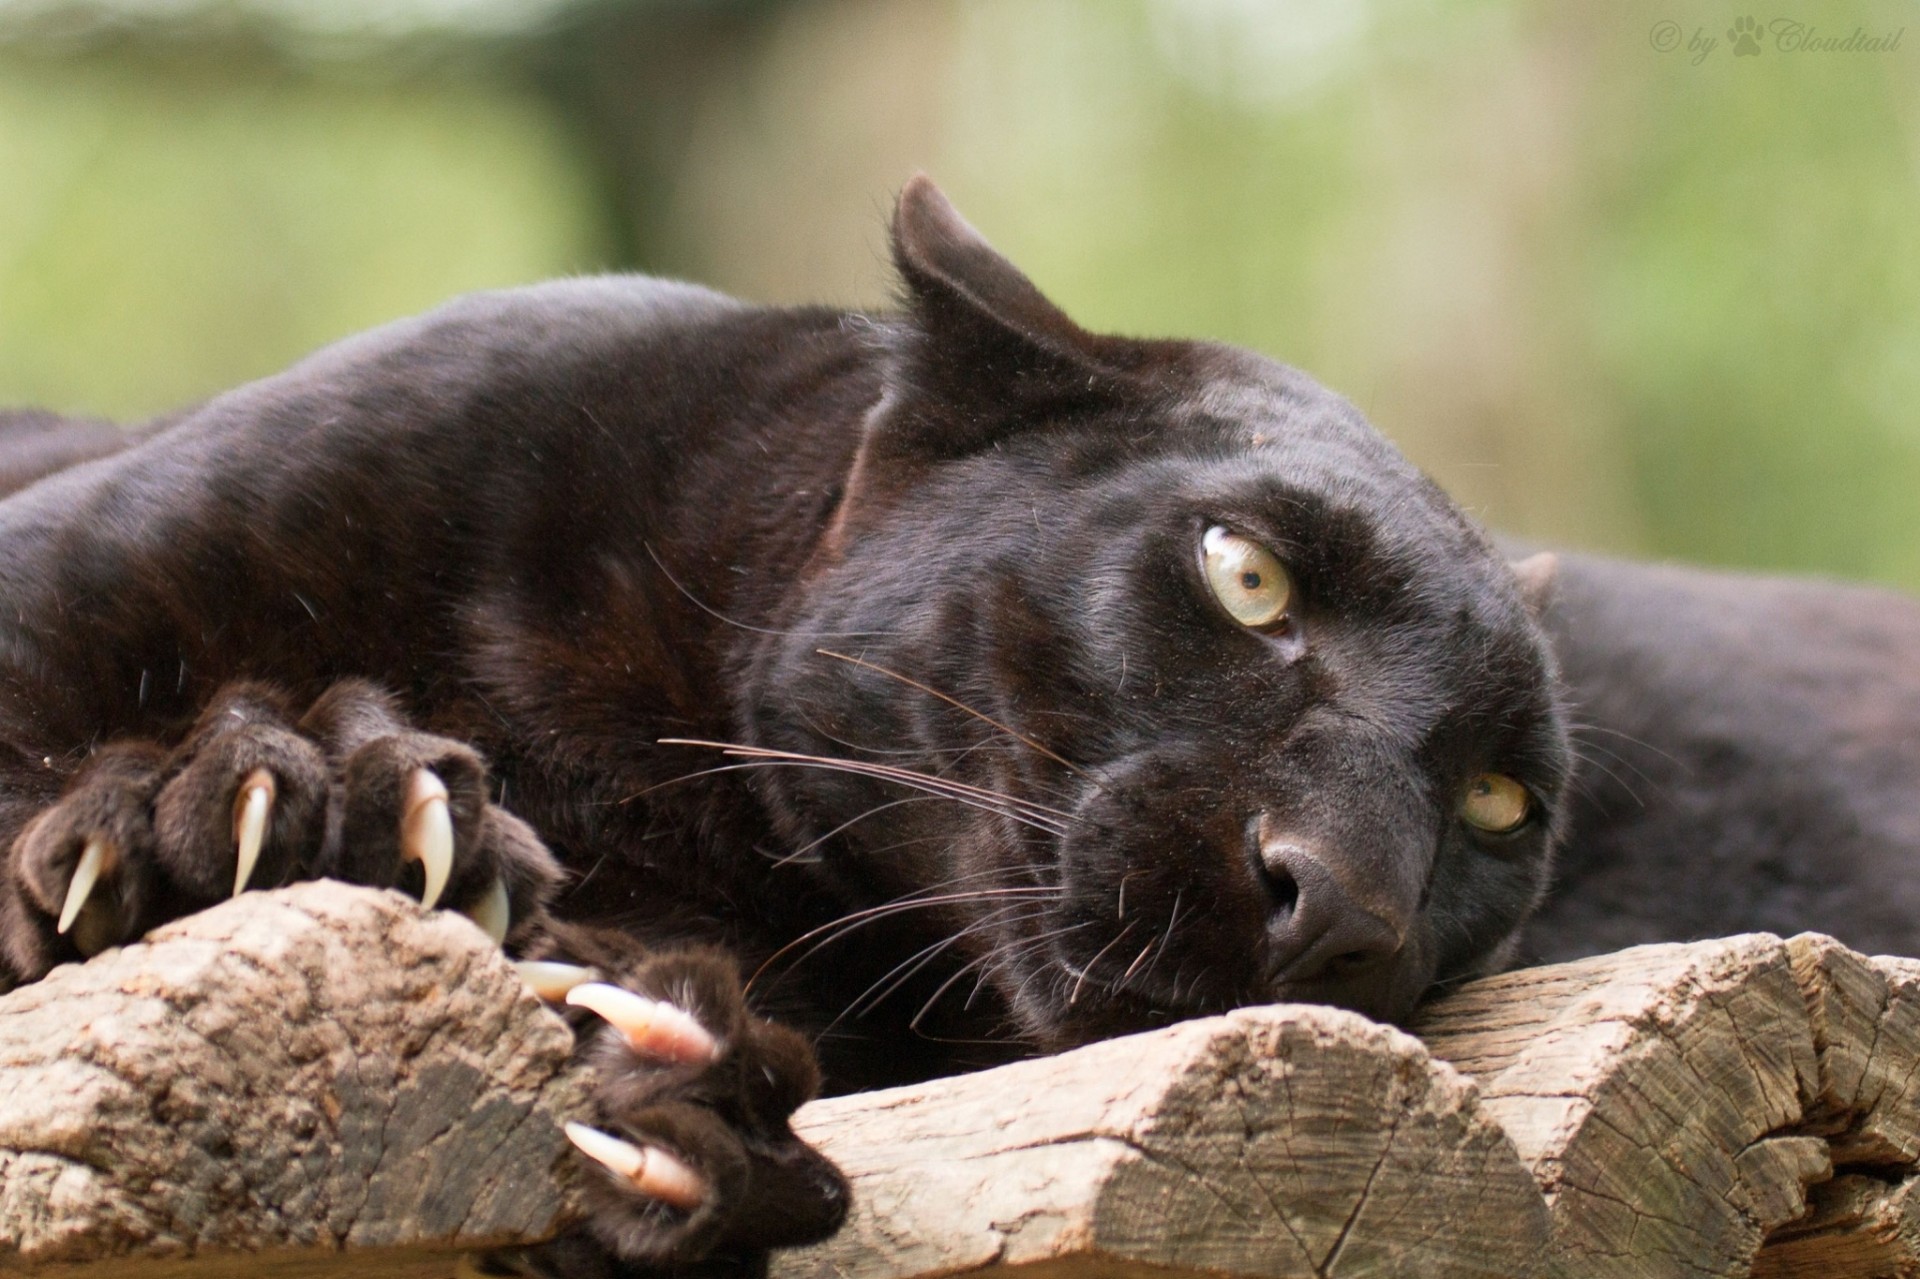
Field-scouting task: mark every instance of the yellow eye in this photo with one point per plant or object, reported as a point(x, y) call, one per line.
point(1495, 803)
point(1246, 578)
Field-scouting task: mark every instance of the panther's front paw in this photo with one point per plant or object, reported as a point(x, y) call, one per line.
point(413, 813)
point(253, 799)
point(85, 867)
point(143, 835)
point(692, 1151)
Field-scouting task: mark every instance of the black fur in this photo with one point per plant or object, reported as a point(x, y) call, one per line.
point(529, 536)
point(1750, 760)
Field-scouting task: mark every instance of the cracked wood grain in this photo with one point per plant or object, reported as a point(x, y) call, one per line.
point(1747, 1106)
point(1647, 1090)
point(1865, 1221)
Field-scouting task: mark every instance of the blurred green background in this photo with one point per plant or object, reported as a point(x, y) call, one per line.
point(1613, 281)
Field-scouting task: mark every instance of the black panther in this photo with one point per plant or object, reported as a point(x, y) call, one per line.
point(819, 698)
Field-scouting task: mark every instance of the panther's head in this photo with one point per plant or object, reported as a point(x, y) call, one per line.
point(1176, 683)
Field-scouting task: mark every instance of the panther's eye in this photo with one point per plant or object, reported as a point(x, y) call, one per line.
point(1246, 578)
point(1495, 803)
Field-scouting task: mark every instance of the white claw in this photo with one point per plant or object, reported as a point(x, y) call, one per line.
point(493, 912)
point(670, 1181)
point(250, 825)
point(549, 980)
point(623, 1157)
point(650, 1169)
point(94, 859)
point(655, 1029)
point(426, 832)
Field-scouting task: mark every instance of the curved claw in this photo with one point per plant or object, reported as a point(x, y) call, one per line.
point(549, 980)
point(250, 815)
point(95, 859)
point(651, 1170)
point(653, 1028)
point(493, 912)
point(426, 832)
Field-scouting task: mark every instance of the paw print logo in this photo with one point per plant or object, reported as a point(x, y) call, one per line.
point(1744, 35)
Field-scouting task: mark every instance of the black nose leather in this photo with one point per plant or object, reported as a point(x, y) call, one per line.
point(1319, 931)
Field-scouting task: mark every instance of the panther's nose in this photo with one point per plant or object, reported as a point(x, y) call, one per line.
point(1326, 925)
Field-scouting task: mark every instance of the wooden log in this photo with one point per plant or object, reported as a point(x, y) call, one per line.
point(1281, 1141)
point(277, 1079)
point(1736, 1107)
point(292, 1074)
point(1865, 1017)
point(325, 1081)
point(1656, 1094)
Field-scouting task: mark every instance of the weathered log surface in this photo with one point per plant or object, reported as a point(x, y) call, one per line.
point(299, 1072)
point(1279, 1141)
point(1645, 1092)
point(323, 1080)
point(1715, 1108)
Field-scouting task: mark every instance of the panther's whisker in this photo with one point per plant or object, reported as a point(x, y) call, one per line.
point(933, 786)
point(952, 701)
point(1034, 814)
point(858, 918)
point(1622, 782)
point(1166, 937)
point(838, 928)
point(1006, 808)
point(644, 791)
point(1577, 725)
point(715, 613)
point(1080, 978)
point(800, 852)
point(998, 956)
point(1036, 943)
point(980, 963)
point(1585, 747)
point(850, 924)
point(913, 963)
point(879, 770)
point(1138, 959)
point(949, 760)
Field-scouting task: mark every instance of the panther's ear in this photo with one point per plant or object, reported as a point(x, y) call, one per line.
point(979, 357)
point(963, 291)
point(1537, 574)
point(986, 354)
